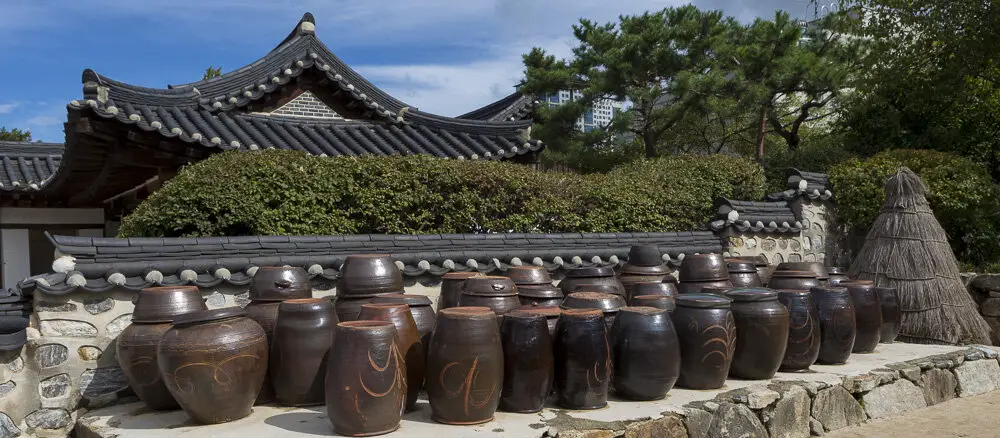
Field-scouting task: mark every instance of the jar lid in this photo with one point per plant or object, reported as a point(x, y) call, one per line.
point(593, 300)
point(546, 291)
point(741, 267)
point(715, 290)
point(752, 294)
point(592, 271)
point(794, 274)
point(548, 312)
point(491, 286)
point(411, 300)
point(705, 301)
point(209, 315)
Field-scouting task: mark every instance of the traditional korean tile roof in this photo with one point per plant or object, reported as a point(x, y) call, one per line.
point(515, 106)
point(27, 167)
point(755, 216)
point(812, 185)
point(100, 264)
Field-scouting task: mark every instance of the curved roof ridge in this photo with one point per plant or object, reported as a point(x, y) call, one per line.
point(505, 108)
point(435, 120)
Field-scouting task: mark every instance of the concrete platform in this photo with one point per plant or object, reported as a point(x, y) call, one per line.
point(135, 420)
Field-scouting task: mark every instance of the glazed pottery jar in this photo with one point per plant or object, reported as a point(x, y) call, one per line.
point(465, 366)
point(368, 275)
point(762, 333)
point(596, 275)
point(630, 280)
point(452, 285)
point(836, 324)
point(660, 288)
point(155, 309)
point(793, 280)
point(582, 359)
point(743, 274)
point(697, 287)
point(300, 348)
point(609, 304)
point(420, 308)
point(712, 290)
point(213, 362)
point(837, 275)
point(366, 379)
point(265, 313)
point(707, 333)
point(279, 283)
point(803, 333)
point(646, 353)
point(407, 341)
point(551, 315)
point(703, 267)
point(529, 275)
point(892, 317)
point(657, 301)
point(760, 262)
point(645, 260)
point(867, 314)
point(816, 268)
point(497, 293)
point(528, 362)
point(545, 295)
point(349, 308)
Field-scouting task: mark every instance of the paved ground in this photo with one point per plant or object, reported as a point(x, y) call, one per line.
point(966, 417)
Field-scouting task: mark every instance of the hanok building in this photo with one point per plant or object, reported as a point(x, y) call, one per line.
point(123, 141)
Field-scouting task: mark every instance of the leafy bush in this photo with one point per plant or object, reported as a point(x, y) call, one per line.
point(292, 193)
point(962, 195)
point(818, 153)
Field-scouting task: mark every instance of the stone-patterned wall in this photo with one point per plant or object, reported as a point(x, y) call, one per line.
point(817, 242)
point(819, 233)
point(18, 391)
point(775, 247)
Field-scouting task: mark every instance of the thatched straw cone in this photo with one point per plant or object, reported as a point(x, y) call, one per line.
point(907, 249)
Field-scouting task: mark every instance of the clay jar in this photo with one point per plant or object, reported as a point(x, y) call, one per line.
point(707, 333)
point(420, 308)
point(528, 362)
point(300, 348)
point(497, 293)
point(803, 330)
point(407, 341)
point(646, 353)
point(609, 304)
point(348, 309)
point(661, 288)
point(697, 287)
point(213, 362)
point(529, 275)
point(816, 268)
point(583, 359)
point(596, 275)
point(743, 274)
point(892, 317)
point(155, 309)
point(762, 328)
point(279, 283)
point(551, 315)
point(452, 285)
point(368, 275)
point(837, 275)
point(720, 291)
point(793, 280)
point(836, 324)
point(465, 366)
point(545, 295)
point(645, 264)
point(867, 314)
point(703, 267)
point(656, 301)
point(366, 379)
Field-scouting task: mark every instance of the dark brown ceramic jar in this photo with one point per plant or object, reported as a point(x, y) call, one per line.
point(630, 281)
point(703, 267)
point(279, 283)
point(645, 261)
point(712, 290)
point(155, 309)
point(793, 280)
point(667, 289)
point(420, 308)
point(836, 324)
point(529, 275)
point(743, 274)
point(465, 365)
point(214, 362)
point(265, 313)
point(803, 333)
point(407, 341)
point(646, 353)
point(657, 301)
point(551, 315)
point(540, 295)
point(609, 304)
point(300, 348)
point(452, 285)
point(368, 275)
point(349, 308)
point(597, 275)
point(497, 293)
point(696, 287)
point(762, 328)
point(760, 262)
point(837, 275)
point(707, 333)
point(867, 314)
point(816, 268)
point(366, 379)
point(582, 360)
point(892, 316)
point(528, 362)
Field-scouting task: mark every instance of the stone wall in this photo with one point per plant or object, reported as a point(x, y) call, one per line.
point(775, 247)
point(985, 291)
point(818, 240)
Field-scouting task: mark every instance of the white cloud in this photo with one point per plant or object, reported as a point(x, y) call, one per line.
point(8, 107)
point(40, 121)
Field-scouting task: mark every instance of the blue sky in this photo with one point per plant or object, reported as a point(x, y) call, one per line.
point(444, 56)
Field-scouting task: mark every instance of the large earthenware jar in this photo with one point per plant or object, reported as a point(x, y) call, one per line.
point(645, 264)
point(713, 290)
point(551, 315)
point(816, 268)
point(528, 362)
point(543, 295)
point(892, 317)
point(703, 267)
point(583, 359)
point(867, 314)
point(646, 353)
point(407, 341)
point(529, 275)
point(299, 350)
point(420, 308)
point(697, 287)
point(762, 328)
point(155, 309)
point(836, 324)
point(793, 280)
point(348, 309)
point(497, 293)
point(743, 274)
point(596, 275)
point(661, 288)
point(465, 366)
point(803, 330)
point(214, 362)
point(609, 304)
point(707, 333)
point(657, 301)
point(279, 283)
point(837, 275)
point(368, 275)
point(265, 313)
point(366, 379)
point(452, 285)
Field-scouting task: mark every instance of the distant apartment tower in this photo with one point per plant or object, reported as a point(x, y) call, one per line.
point(599, 115)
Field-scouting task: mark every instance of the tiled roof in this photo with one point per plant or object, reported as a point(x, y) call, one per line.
point(99, 264)
point(770, 217)
point(28, 166)
point(516, 106)
point(812, 185)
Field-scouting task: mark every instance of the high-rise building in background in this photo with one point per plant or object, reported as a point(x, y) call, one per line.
point(599, 115)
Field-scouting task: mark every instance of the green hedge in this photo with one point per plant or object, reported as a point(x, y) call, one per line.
point(292, 193)
point(962, 195)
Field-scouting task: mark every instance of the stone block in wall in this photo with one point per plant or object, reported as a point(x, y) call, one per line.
point(789, 418)
point(893, 399)
point(835, 408)
point(986, 282)
point(977, 377)
point(938, 386)
point(990, 307)
point(732, 419)
point(667, 427)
